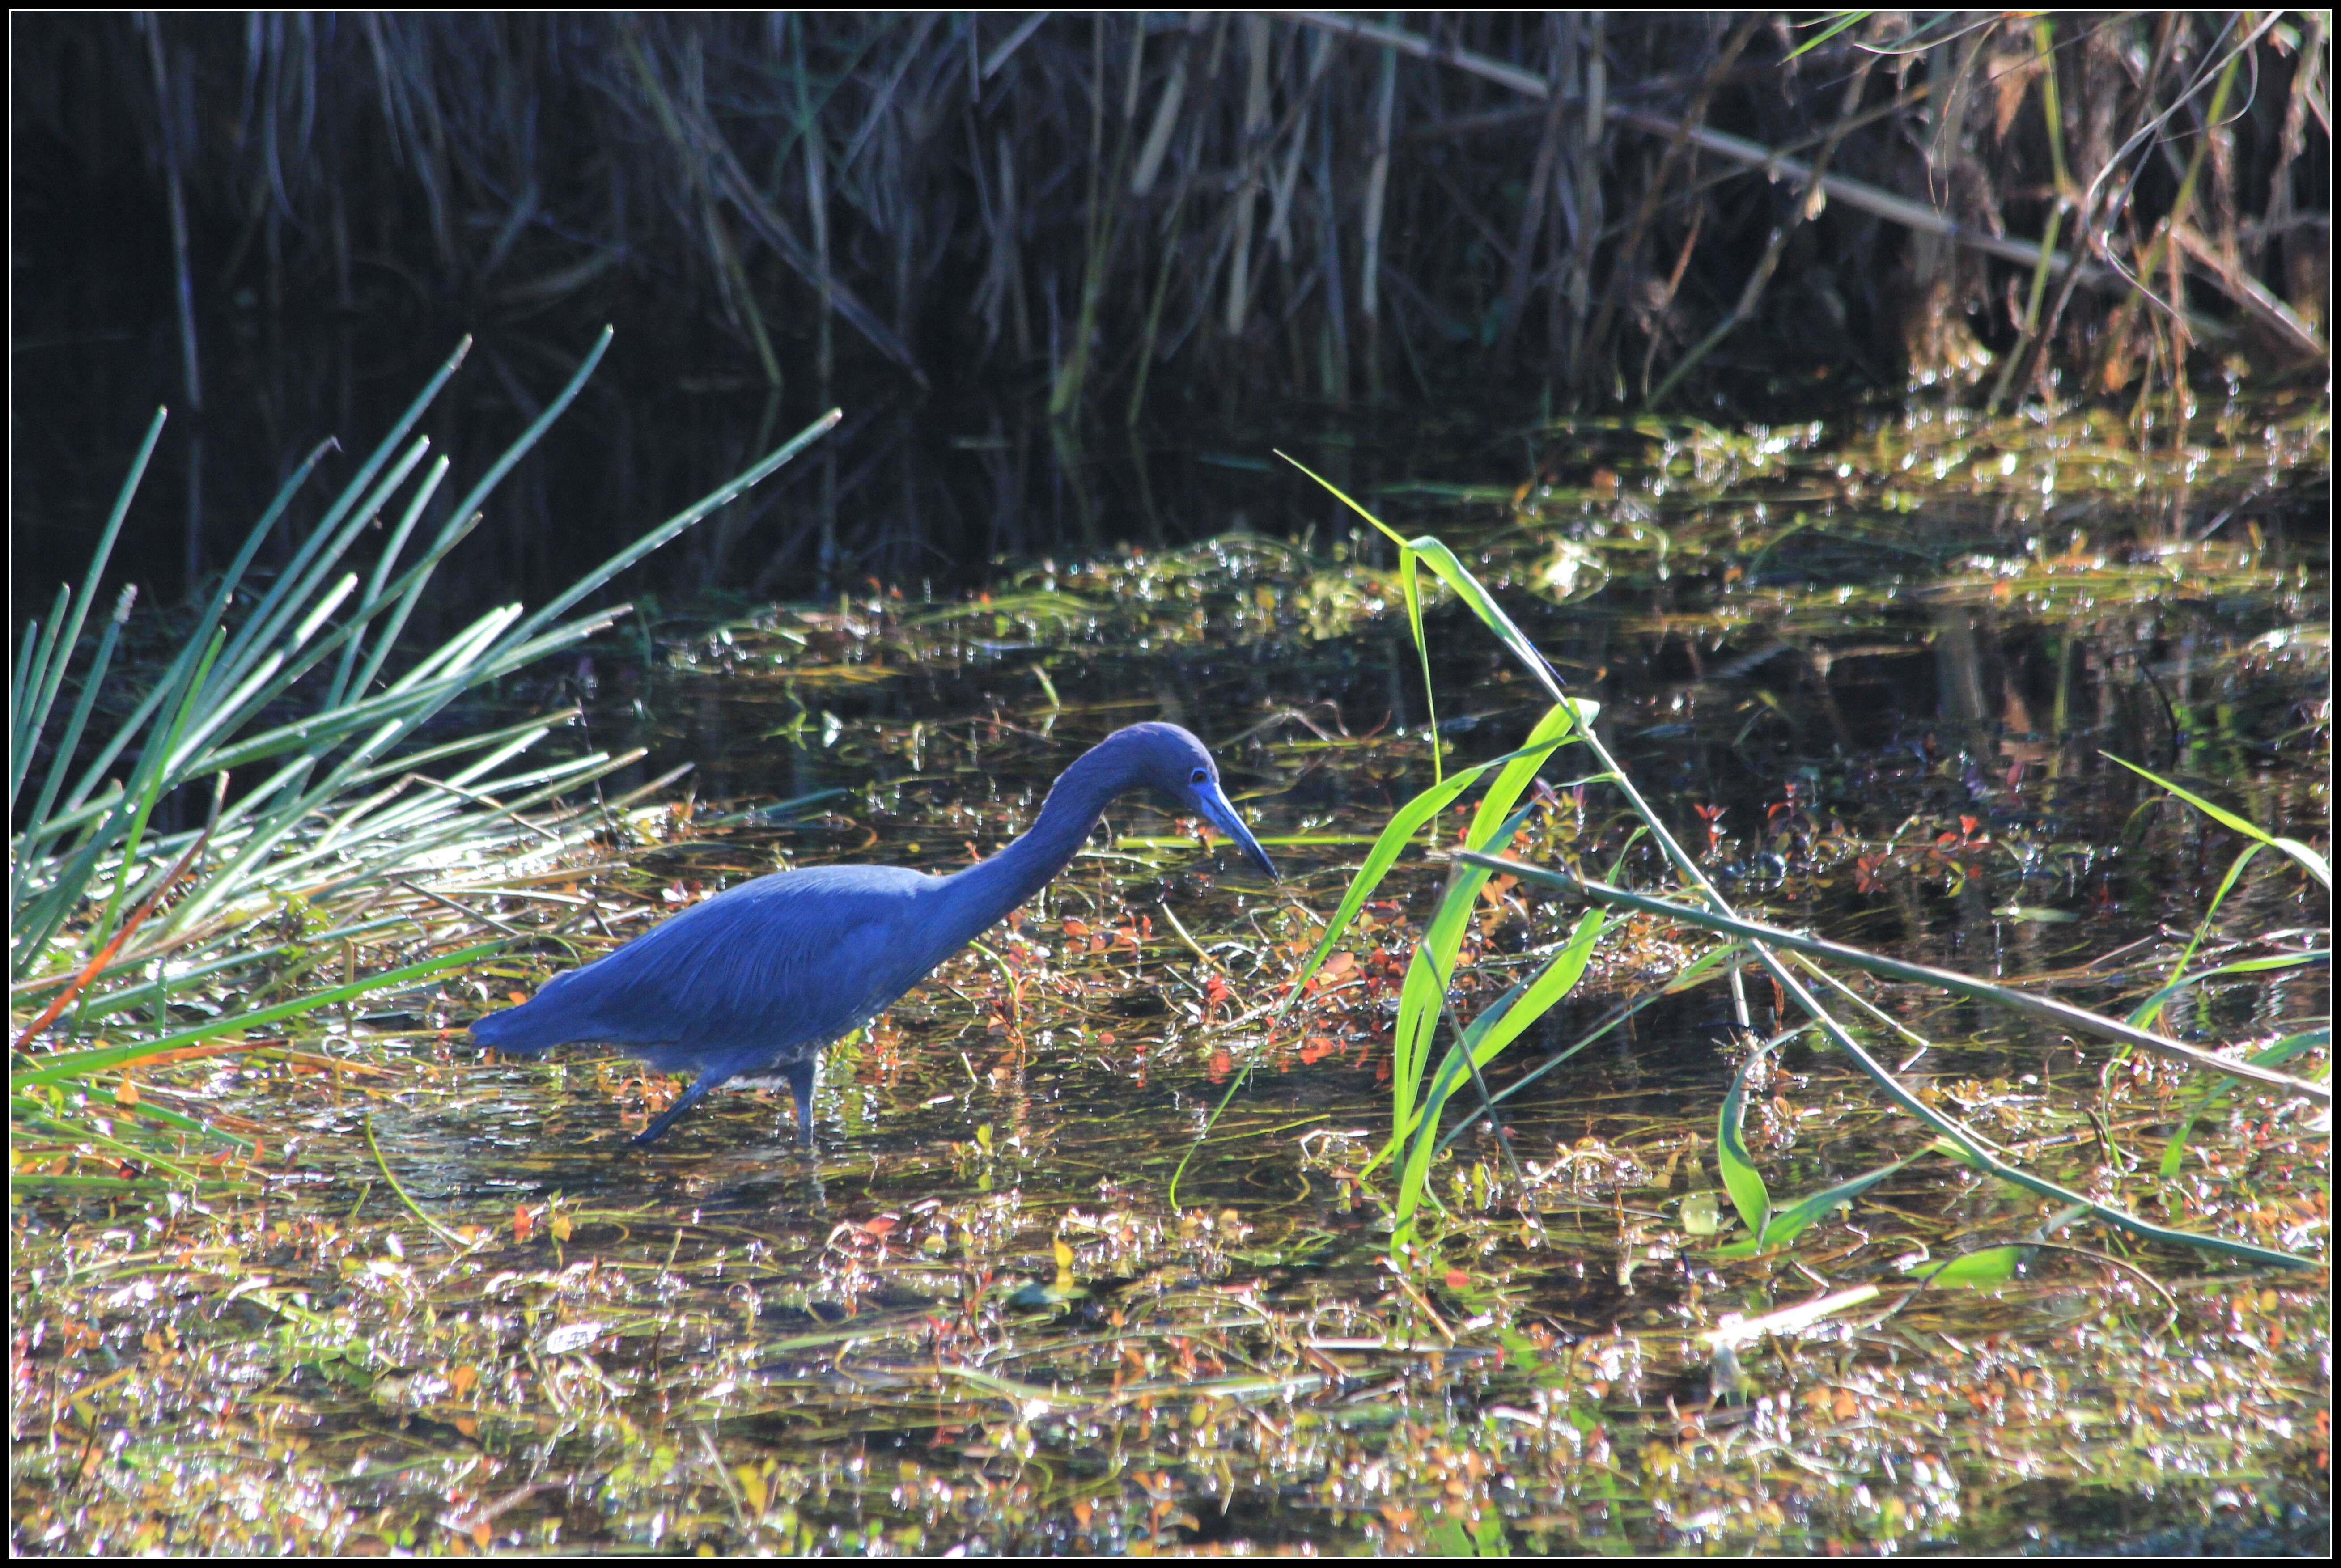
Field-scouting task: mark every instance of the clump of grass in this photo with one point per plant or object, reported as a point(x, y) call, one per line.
point(291, 706)
point(1420, 1096)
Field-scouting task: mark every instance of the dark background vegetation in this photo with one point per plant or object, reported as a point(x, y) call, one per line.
point(1044, 261)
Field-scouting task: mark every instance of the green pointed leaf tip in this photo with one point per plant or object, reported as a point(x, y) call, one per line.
point(2310, 860)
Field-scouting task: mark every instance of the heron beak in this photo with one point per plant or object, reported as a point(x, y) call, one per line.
point(1212, 801)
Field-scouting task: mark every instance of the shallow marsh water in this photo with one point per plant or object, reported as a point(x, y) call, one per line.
point(1872, 677)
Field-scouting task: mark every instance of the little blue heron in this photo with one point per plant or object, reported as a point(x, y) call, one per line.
point(750, 984)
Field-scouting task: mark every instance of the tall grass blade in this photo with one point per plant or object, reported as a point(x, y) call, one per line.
point(145, 710)
point(32, 679)
point(681, 521)
point(2047, 1009)
point(1503, 1021)
point(65, 629)
point(1956, 1141)
point(1391, 843)
point(1737, 1168)
point(91, 683)
point(62, 1066)
point(2314, 864)
point(339, 692)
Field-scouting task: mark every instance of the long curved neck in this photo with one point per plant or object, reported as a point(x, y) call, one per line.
point(984, 892)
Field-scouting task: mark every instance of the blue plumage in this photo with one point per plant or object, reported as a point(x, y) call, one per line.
point(752, 983)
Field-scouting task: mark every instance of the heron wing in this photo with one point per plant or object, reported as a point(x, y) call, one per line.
point(762, 972)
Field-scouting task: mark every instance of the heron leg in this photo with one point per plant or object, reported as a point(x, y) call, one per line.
point(667, 1117)
point(800, 1078)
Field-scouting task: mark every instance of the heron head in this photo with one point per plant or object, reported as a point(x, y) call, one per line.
point(1178, 765)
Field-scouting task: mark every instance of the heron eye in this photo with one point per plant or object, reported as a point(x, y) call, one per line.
point(1200, 776)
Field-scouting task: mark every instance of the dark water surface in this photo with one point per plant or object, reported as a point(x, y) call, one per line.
point(927, 491)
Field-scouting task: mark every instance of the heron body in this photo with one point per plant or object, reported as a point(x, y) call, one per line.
point(749, 985)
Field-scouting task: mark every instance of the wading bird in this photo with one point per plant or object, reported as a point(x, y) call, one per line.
point(749, 985)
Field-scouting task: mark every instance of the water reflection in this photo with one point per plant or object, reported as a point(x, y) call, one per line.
point(929, 492)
